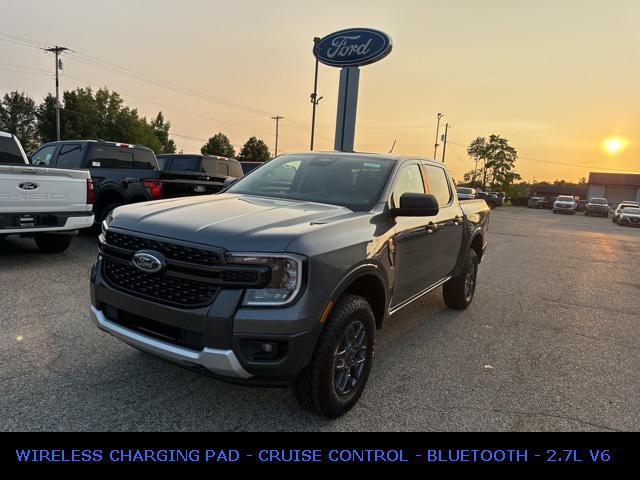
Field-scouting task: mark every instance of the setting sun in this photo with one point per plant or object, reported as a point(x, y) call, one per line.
point(614, 145)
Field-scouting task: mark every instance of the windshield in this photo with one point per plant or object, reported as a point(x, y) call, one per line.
point(564, 199)
point(466, 191)
point(598, 201)
point(631, 210)
point(351, 181)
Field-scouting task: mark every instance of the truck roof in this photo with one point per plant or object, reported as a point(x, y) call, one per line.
point(382, 156)
point(100, 142)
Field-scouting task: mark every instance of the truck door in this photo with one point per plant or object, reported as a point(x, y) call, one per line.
point(412, 240)
point(448, 228)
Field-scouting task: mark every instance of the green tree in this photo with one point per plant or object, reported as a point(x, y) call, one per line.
point(255, 150)
point(218, 145)
point(498, 161)
point(103, 115)
point(18, 116)
point(161, 129)
point(46, 119)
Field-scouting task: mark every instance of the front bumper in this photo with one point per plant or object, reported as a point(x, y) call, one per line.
point(224, 330)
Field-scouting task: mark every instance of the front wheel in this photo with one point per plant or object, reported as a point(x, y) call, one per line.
point(334, 380)
point(52, 243)
point(458, 292)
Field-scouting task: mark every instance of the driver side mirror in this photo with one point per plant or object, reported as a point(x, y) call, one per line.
point(416, 205)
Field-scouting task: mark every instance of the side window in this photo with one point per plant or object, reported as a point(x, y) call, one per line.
point(70, 156)
point(235, 170)
point(439, 184)
point(409, 181)
point(111, 157)
point(9, 150)
point(42, 158)
point(144, 159)
point(163, 162)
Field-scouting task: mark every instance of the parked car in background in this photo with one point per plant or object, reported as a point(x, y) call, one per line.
point(49, 204)
point(501, 196)
point(618, 211)
point(565, 204)
point(196, 174)
point(122, 173)
point(597, 206)
point(490, 198)
point(534, 202)
point(629, 217)
point(581, 206)
point(546, 202)
point(250, 166)
point(465, 193)
point(284, 279)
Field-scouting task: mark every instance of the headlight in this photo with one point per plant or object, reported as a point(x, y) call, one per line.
point(286, 277)
point(106, 222)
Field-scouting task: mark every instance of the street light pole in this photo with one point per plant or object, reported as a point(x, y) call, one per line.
point(444, 146)
point(314, 96)
point(57, 51)
point(277, 118)
point(435, 148)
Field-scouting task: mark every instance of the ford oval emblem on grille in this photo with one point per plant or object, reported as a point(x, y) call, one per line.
point(199, 189)
point(28, 186)
point(149, 261)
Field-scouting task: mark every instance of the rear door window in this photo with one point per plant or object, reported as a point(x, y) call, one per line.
point(106, 156)
point(43, 157)
point(71, 156)
point(439, 184)
point(144, 159)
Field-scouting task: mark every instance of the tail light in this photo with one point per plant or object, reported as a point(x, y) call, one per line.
point(91, 192)
point(154, 188)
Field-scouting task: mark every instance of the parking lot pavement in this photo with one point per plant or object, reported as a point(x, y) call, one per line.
point(551, 342)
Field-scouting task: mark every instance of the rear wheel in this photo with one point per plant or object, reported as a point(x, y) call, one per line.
point(458, 292)
point(334, 380)
point(52, 243)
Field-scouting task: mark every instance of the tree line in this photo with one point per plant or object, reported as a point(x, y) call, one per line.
point(101, 114)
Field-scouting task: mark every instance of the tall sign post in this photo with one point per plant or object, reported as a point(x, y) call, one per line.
point(350, 49)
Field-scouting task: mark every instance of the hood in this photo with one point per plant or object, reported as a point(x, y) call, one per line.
point(230, 221)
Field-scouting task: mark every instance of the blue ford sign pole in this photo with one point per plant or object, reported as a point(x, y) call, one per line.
point(350, 49)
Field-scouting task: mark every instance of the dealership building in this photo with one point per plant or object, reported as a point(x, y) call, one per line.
point(615, 187)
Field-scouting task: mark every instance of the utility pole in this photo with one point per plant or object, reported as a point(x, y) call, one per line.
point(435, 148)
point(444, 147)
point(314, 96)
point(57, 51)
point(277, 118)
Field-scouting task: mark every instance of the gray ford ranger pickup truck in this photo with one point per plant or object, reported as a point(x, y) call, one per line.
point(284, 277)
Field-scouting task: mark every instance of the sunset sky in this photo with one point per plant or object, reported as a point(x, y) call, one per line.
point(557, 78)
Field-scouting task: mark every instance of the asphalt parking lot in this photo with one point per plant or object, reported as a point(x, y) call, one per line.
point(551, 342)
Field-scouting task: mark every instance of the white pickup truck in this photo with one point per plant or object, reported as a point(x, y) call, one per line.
point(50, 204)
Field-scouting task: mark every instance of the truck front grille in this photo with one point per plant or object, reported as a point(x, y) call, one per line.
point(160, 287)
point(170, 250)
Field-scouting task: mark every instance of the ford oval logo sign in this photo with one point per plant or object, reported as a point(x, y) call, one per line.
point(149, 261)
point(353, 47)
point(28, 186)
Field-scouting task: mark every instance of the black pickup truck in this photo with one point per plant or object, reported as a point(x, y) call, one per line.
point(122, 173)
point(285, 276)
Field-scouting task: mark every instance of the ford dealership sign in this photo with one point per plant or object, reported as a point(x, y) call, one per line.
point(353, 47)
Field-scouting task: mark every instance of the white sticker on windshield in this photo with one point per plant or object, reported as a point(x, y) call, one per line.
point(372, 165)
point(95, 164)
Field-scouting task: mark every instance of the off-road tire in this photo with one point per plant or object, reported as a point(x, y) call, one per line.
point(315, 386)
point(455, 292)
point(51, 243)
